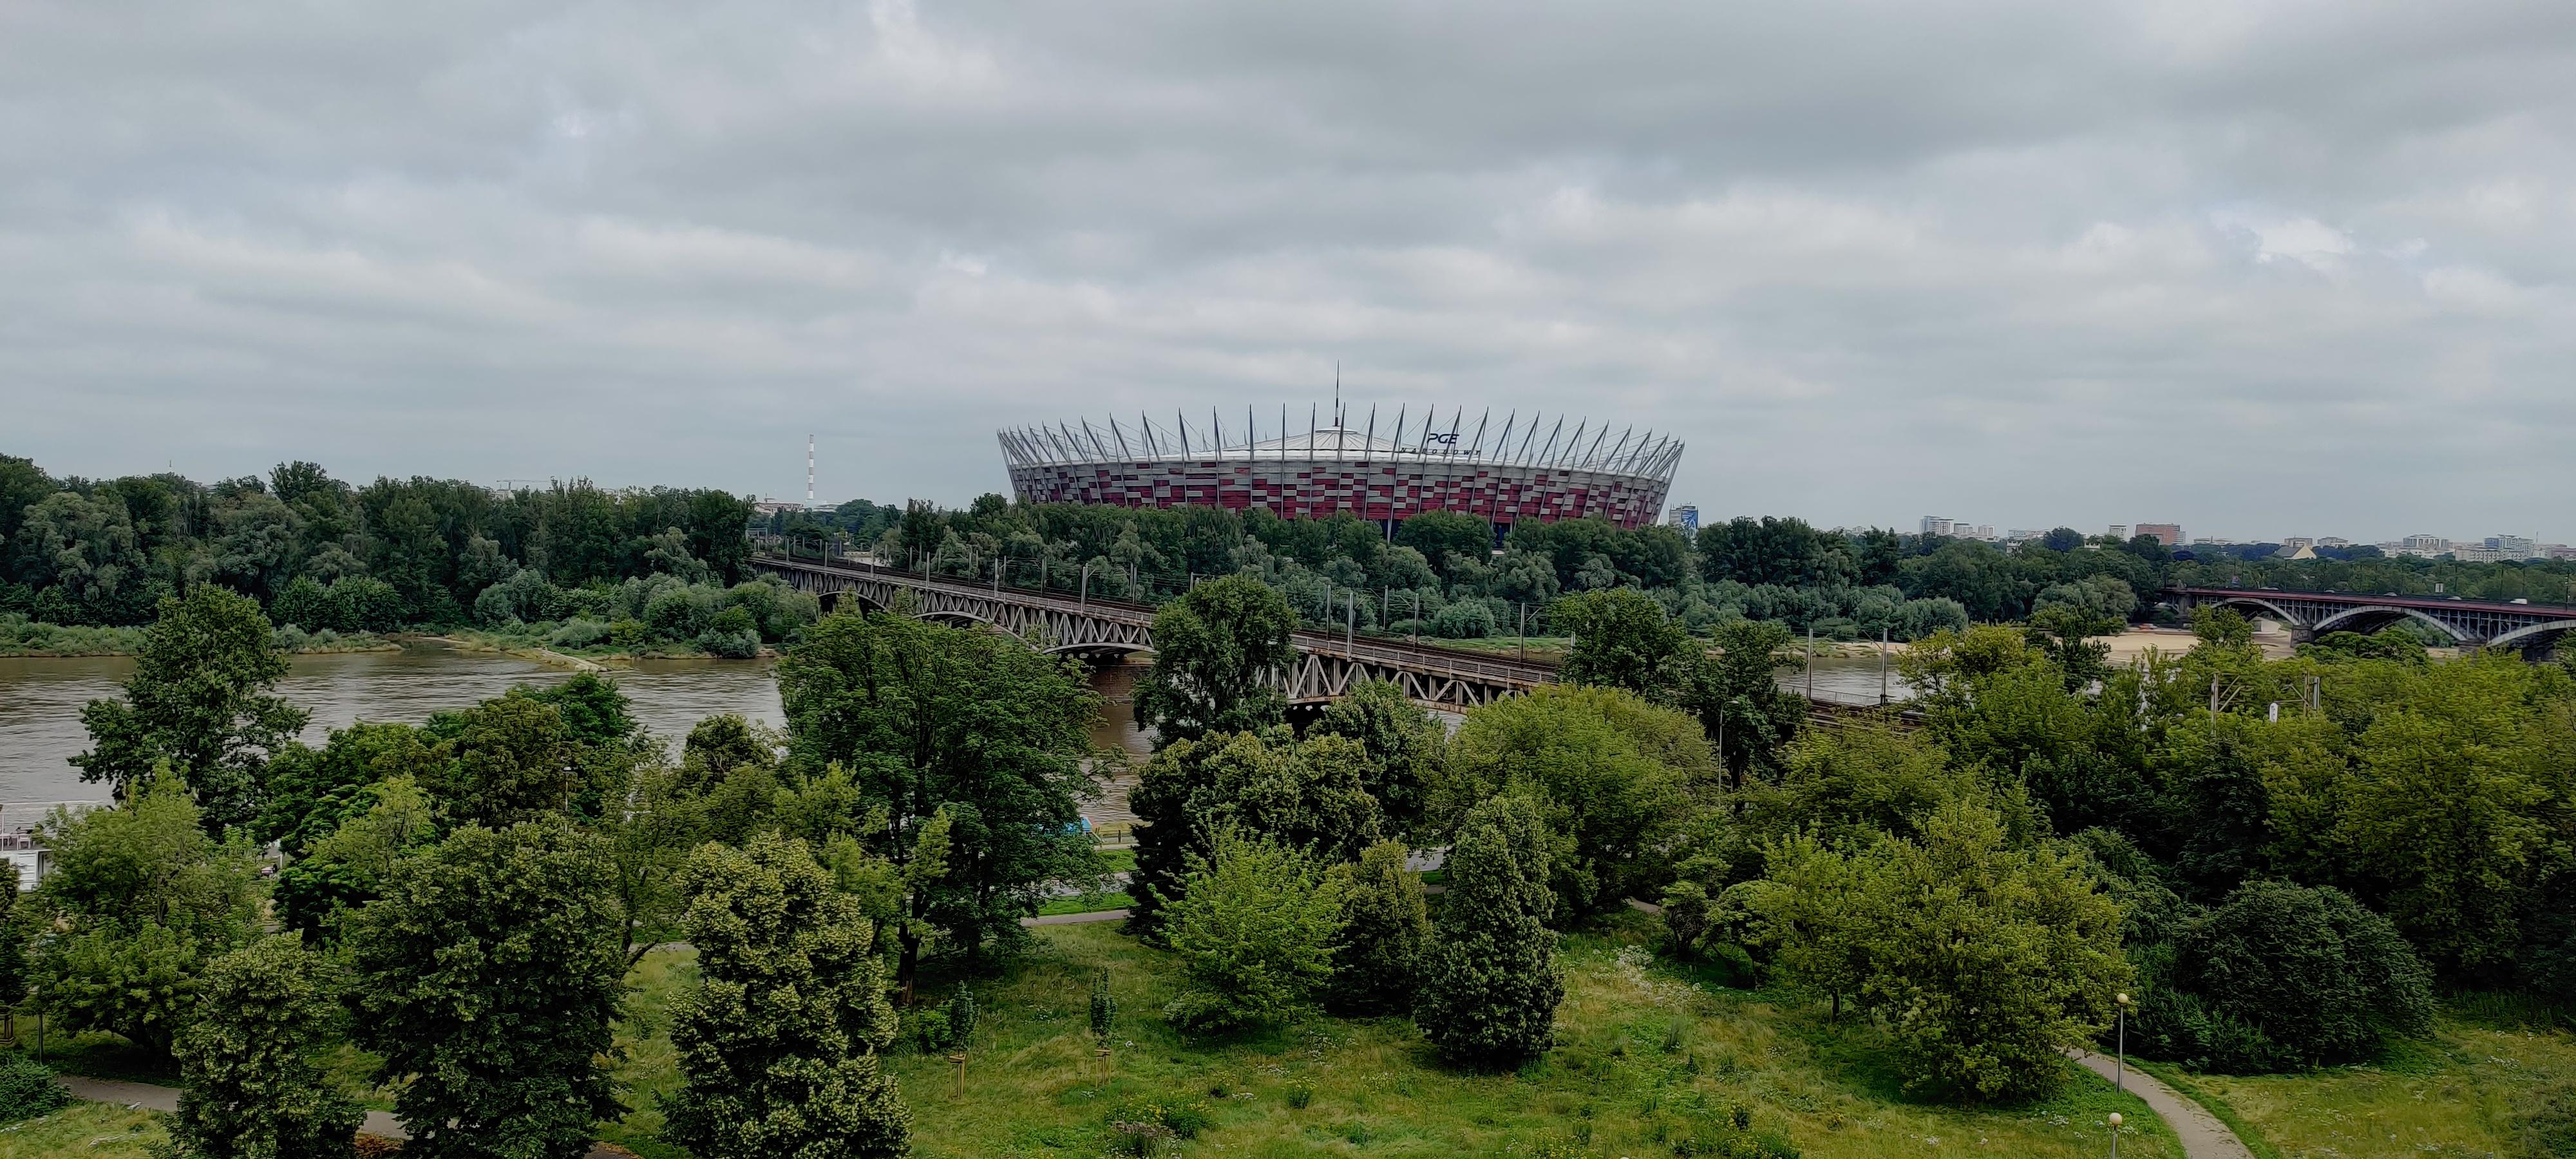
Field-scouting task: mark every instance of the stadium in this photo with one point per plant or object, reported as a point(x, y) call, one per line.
point(1536, 470)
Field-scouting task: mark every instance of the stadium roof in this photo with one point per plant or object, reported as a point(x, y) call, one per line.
point(1539, 441)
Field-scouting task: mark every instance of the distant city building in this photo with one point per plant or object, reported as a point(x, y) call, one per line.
point(2022, 535)
point(2334, 541)
point(2168, 534)
point(2301, 549)
point(2559, 550)
point(1936, 525)
point(2120, 531)
point(2514, 546)
point(2424, 545)
point(2213, 541)
point(2480, 555)
point(1686, 517)
point(767, 506)
point(1986, 531)
point(2296, 542)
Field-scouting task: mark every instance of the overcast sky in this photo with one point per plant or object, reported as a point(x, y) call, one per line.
point(2262, 268)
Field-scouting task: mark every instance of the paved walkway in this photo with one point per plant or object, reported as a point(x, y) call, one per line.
point(2202, 1135)
point(151, 1097)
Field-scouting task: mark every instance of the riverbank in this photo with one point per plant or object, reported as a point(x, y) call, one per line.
point(31, 639)
point(579, 659)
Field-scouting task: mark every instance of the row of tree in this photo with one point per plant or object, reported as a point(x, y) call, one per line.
point(393, 552)
point(1448, 574)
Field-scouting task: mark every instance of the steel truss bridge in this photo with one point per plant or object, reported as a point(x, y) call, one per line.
point(1328, 664)
point(2533, 629)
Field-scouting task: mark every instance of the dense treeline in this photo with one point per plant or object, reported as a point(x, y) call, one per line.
point(1444, 575)
point(392, 553)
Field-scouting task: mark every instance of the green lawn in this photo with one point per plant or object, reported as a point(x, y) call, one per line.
point(1034, 1087)
point(1088, 903)
point(2449, 1097)
point(89, 1129)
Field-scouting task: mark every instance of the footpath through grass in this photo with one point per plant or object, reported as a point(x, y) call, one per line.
point(1645, 1053)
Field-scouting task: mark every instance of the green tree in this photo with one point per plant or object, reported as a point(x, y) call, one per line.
point(932, 720)
point(1739, 700)
point(779, 1040)
point(1623, 639)
point(348, 868)
point(1377, 959)
point(1305, 795)
point(1217, 650)
point(505, 760)
point(254, 1060)
point(1985, 959)
point(1616, 780)
point(1403, 742)
point(1490, 984)
point(139, 900)
point(199, 701)
point(486, 980)
point(2283, 977)
point(2449, 807)
point(1254, 933)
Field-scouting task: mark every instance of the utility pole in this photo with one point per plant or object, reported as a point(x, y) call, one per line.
point(1351, 626)
point(1882, 666)
point(1811, 661)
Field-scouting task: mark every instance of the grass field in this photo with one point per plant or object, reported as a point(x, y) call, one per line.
point(1646, 1053)
point(95, 1129)
point(2449, 1097)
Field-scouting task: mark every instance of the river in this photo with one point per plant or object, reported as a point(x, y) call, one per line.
point(41, 699)
point(40, 702)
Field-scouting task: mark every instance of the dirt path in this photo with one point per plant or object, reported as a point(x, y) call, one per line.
point(2202, 1135)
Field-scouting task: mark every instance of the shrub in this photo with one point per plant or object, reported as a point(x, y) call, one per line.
point(2282, 976)
point(1490, 983)
point(1104, 1008)
point(578, 633)
point(742, 645)
point(1379, 953)
point(1464, 620)
point(1300, 1097)
point(1254, 933)
point(28, 1089)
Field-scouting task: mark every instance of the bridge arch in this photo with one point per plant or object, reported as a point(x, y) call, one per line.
point(2537, 640)
point(2274, 610)
point(2373, 617)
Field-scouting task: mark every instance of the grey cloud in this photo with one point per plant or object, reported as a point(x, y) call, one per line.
point(2266, 269)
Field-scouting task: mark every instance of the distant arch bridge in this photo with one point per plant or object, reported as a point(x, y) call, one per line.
point(1328, 664)
point(2533, 629)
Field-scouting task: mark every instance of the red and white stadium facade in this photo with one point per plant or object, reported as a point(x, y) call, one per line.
point(1534, 471)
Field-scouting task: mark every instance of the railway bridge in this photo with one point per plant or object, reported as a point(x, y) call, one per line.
point(2533, 629)
point(1328, 664)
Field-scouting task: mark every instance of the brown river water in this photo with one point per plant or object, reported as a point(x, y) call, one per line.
point(40, 702)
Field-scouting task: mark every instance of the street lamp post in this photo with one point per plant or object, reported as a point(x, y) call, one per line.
point(2115, 1134)
point(2120, 1072)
